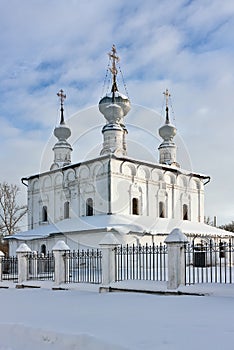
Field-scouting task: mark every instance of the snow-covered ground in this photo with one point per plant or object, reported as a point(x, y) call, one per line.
point(85, 319)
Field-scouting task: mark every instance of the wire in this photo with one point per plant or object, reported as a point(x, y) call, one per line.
point(163, 103)
point(172, 111)
point(124, 84)
point(105, 79)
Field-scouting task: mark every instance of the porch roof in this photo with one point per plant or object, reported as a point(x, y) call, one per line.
point(124, 224)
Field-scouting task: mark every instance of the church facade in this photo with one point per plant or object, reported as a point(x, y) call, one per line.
point(138, 201)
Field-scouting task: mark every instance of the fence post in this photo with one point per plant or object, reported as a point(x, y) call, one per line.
point(1, 257)
point(21, 252)
point(108, 244)
point(176, 241)
point(59, 250)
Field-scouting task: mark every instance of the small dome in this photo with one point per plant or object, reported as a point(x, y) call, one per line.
point(62, 132)
point(167, 132)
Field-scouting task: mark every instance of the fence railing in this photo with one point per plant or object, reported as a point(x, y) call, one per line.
point(138, 262)
point(10, 268)
point(189, 263)
point(83, 266)
point(40, 266)
point(209, 263)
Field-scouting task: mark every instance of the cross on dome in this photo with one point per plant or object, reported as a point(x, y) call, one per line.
point(167, 96)
point(113, 56)
point(62, 97)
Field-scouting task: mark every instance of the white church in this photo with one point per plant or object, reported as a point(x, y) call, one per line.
point(137, 200)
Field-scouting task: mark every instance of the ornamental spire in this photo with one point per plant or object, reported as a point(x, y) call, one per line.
point(62, 149)
point(167, 149)
point(62, 97)
point(113, 56)
point(167, 96)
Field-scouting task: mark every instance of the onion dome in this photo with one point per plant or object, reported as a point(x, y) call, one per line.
point(114, 107)
point(62, 132)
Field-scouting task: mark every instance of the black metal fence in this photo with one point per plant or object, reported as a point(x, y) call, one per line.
point(139, 262)
point(83, 266)
point(10, 268)
point(40, 266)
point(209, 263)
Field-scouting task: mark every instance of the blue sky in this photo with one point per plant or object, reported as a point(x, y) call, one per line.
point(185, 46)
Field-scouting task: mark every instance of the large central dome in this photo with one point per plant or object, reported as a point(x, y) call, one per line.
point(114, 106)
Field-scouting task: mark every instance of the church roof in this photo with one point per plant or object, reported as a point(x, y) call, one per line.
point(155, 165)
point(124, 224)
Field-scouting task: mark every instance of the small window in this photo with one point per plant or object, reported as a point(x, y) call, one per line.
point(162, 213)
point(89, 207)
point(185, 212)
point(44, 214)
point(135, 206)
point(66, 210)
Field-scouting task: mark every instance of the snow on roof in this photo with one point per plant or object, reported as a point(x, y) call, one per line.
point(117, 94)
point(124, 224)
point(199, 228)
point(39, 232)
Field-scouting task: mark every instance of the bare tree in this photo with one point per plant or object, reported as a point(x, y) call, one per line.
point(228, 227)
point(10, 212)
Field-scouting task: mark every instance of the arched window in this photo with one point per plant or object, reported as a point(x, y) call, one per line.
point(162, 212)
point(66, 210)
point(43, 249)
point(185, 212)
point(89, 207)
point(135, 206)
point(44, 214)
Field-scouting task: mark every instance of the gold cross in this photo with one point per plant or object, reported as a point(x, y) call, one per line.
point(115, 58)
point(62, 96)
point(167, 95)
